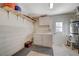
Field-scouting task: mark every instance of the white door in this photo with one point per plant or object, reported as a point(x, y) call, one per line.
point(58, 36)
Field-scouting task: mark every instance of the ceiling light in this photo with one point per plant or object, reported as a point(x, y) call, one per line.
point(51, 5)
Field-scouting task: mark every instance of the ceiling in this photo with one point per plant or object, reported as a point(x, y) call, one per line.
point(44, 8)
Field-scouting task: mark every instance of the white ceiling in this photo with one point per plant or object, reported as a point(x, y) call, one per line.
point(44, 8)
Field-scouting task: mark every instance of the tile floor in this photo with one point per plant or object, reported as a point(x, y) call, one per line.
point(62, 50)
point(34, 53)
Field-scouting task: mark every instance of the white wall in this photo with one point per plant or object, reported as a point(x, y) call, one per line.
point(44, 20)
point(13, 32)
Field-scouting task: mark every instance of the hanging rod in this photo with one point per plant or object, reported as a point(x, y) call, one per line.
point(19, 13)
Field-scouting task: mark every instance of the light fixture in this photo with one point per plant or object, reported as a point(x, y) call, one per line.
point(51, 5)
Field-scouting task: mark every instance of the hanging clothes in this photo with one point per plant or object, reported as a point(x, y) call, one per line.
point(10, 5)
point(17, 8)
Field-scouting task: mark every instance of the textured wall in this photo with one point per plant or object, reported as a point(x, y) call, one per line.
point(13, 32)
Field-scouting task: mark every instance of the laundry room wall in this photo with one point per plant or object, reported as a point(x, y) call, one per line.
point(14, 32)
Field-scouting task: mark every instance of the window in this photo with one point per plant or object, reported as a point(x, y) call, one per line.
point(59, 26)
